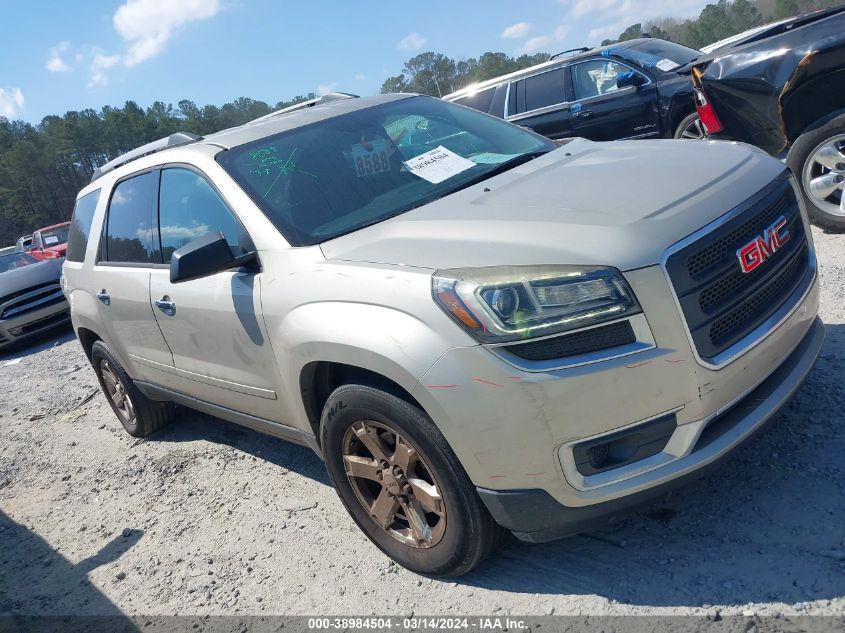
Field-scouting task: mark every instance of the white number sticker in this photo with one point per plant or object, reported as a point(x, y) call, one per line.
point(438, 164)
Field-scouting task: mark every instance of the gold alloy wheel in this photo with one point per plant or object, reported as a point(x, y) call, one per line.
point(117, 393)
point(394, 484)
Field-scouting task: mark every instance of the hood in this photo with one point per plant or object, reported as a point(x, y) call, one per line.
point(620, 204)
point(60, 249)
point(28, 276)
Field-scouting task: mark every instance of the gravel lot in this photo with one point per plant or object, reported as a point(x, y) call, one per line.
point(209, 518)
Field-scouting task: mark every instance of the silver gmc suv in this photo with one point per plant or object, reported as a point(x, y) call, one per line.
point(476, 329)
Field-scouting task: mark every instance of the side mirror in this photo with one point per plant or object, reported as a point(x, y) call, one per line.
point(630, 78)
point(205, 256)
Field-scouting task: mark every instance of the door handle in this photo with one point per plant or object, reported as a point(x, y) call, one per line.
point(166, 305)
point(104, 296)
point(584, 114)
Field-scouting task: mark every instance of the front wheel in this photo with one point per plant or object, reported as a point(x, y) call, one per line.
point(818, 161)
point(402, 484)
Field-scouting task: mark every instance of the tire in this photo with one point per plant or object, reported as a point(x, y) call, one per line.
point(460, 534)
point(139, 415)
point(691, 128)
point(825, 212)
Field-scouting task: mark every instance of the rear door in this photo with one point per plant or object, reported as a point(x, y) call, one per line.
point(540, 103)
point(214, 324)
point(122, 278)
point(602, 112)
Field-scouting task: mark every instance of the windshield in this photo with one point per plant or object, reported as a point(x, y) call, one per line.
point(11, 261)
point(55, 236)
point(338, 175)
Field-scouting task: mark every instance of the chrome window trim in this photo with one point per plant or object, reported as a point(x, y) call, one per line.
point(644, 342)
point(787, 308)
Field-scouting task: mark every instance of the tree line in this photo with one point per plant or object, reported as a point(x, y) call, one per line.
point(43, 166)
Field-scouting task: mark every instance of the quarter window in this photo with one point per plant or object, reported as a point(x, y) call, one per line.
point(544, 90)
point(596, 77)
point(189, 207)
point(128, 233)
point(80, 226)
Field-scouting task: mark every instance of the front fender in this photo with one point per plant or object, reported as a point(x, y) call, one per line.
point(387, 341)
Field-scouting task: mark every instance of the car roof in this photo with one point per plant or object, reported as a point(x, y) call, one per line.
point(285, 121)
point(551, 63)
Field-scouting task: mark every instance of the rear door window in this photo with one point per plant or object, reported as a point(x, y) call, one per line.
point(544, 90)
point(128, 236)
point(80, 226)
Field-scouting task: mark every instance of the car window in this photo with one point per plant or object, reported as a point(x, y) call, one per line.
point(128, 223)
point(478, 100)
point(596, 77)
point(345, 172)
point(544, 89)
point(80, 226)
point(54, 237)
point(189, 207)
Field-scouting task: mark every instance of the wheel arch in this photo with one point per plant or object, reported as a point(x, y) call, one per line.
point(318, 379)
point(813, 104)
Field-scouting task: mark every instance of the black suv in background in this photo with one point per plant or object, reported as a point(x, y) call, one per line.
point(627, 90)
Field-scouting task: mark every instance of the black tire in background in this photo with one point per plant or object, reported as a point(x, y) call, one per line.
point(803, 161)
point(148, 416)
point(691, 128)
point(470, 533)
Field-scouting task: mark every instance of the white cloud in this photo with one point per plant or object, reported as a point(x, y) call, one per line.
point(360, 77)
point(56, 64)
point(99, 65)
point(562, 31)
point(147, 25)
point(611, 17)
point(516, 31)
point(11, 102)
point(411, 42)
point(535, 44)
point(324, 89)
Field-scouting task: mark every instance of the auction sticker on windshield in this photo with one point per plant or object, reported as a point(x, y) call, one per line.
point(438, 164)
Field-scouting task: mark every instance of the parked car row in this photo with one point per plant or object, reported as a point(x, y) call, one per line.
point(779, 87)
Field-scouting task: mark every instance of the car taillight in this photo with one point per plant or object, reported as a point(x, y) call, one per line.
point(706, 112)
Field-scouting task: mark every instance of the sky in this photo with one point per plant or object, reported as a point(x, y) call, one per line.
point(60, 56)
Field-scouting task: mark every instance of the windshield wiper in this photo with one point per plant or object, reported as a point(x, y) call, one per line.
point(501, 168)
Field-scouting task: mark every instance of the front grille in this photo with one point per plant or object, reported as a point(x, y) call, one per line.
point(719, 302)
point(33, 298)
point(584, 342)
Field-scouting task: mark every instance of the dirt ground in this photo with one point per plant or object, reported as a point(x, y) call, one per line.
point(209, 518)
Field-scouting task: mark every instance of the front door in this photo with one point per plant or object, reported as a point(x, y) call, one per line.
point(603, 112)
point(213, 325)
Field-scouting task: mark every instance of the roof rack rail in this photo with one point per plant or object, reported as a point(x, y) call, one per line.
point(574, 51)
point(174, 140)
point(332, 96)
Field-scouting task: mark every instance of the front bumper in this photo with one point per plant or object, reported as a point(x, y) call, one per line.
point(535, 516)
point(33, 323)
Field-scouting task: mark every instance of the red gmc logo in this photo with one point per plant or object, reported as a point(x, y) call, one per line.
point(763, 246)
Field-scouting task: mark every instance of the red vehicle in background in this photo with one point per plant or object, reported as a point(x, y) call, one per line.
point(50, 242)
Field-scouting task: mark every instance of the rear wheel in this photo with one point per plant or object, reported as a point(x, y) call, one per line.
point(818, 161)
point(691, 128)
point(402, 484)
point(139, 415)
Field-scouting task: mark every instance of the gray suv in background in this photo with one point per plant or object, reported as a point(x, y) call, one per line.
point(476, 330)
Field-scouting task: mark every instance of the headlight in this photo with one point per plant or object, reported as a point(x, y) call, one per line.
point(497, 305)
